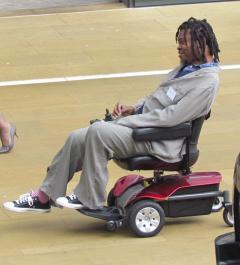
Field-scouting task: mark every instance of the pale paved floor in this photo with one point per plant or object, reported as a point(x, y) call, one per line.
point(24, 7)
point(93, 43)
point(35, 4)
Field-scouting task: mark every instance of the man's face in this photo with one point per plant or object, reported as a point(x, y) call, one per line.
point(185, 47)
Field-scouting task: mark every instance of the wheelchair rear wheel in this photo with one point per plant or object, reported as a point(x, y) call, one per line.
point(146, 218)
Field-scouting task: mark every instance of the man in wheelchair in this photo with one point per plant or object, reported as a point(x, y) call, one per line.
point(186, 94)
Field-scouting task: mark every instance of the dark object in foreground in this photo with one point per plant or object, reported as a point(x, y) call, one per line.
point(227, 246)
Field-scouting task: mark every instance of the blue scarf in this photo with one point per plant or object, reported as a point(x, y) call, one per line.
point(187, 69)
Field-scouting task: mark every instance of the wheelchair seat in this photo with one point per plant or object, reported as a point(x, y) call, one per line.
point(189, 130)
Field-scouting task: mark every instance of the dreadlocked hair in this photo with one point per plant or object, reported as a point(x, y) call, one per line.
point(202, 35)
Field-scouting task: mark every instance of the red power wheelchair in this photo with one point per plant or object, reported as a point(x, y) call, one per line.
point(143, 203)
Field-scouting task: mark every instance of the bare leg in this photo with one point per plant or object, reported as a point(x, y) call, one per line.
point(4, 130)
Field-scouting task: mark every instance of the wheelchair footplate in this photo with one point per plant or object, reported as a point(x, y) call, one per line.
point(112, 215)
point(104, 213)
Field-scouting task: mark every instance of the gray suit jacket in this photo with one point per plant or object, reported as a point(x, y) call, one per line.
point(176, 100)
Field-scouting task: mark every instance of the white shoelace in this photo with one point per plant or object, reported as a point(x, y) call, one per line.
point(25, 195)
point(72, 196)
point(25, 198)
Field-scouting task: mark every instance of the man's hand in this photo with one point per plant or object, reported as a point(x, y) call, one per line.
point(122, 110)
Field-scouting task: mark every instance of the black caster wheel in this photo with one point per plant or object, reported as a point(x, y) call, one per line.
point(217, 204)
point(228, 217)
point(146, 218)
point(111, 226)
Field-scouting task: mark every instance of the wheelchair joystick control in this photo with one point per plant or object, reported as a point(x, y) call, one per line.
point(108, 116)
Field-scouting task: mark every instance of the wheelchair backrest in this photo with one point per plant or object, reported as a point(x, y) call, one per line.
point(192, 152)
point(196, 129)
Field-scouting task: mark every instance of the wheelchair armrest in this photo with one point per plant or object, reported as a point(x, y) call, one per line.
point(162, 133)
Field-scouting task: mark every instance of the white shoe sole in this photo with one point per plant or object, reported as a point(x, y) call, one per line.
point(10, 206)
point(63, 201)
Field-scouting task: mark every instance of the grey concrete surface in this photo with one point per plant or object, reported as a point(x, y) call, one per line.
point(13, 5)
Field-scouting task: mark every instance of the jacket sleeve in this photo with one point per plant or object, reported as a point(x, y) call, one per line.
point(195, 103)
point(139, 104)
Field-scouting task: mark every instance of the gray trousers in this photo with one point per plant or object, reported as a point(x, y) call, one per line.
point(89, 150)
